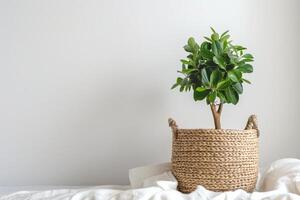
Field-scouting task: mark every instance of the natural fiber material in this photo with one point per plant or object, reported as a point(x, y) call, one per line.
point(218, 159)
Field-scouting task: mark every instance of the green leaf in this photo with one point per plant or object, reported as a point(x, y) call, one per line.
point(181, 88)
point(219, 60)
point(243, 61)
point(247, 81)
point(230, 67)
point(188, 71)
point(238, 74)
point(179, 80)
point(248, 56)
point(187, 48)
point(224, 44)
point(192, 62)
point(214, 69)
point(233, 58)
point(200, 89)
point(206, 54)
point(192, 45)
point(225, 38)
point(238, 87)
point(221, 96)
point(215, 36)
point(223, 84)
point(191, 42)
point(174, 86)
point(186, 62)
point(183, 67)
point(223, 34)
point(200, 94)
point(239, 48)
point(205, 50)
point(205, 46)
point(234, 75)
point(212, 96)
point(207, 38)
point(231, 95)
point(215, 77)
point(212, 29)
point(246, 68)
point(184, 81)
point(216, 48)
point(204, 77)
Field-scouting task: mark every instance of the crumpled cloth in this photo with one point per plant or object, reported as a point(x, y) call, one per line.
point(281, 181)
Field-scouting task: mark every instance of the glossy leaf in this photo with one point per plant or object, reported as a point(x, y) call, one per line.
point(246, 81)
point(174, 86)
point(246, 68)
point(187, 48)
point(231, 95)
point(238, 87)
point(208, 39)
point(186, 62)
point(205, 51)
point(188, 71)
point(191, 42)
point(215, 77)
point(214, 69)
point(224, 34)
point(219, 61)
point(234, 75)
point(212, 97)
point(223, 84)
point(239, 48)
point(216, 48)
point(200, 94)
point(215, 36)
point(205, 79)
point(248, 56)
point(212, 29)
point(221, 97)
point(181, 88)
point(200, 89)
point(179, 80)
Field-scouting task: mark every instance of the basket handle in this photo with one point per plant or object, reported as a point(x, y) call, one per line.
point(252, 124)
point(173, 125)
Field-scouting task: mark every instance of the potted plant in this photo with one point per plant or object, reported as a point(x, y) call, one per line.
point(218, 159)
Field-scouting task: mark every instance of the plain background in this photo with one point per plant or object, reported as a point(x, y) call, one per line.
point(85, 85)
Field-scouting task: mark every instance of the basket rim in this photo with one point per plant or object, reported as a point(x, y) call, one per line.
point(218, 130)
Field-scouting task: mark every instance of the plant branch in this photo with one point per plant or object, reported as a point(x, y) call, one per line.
point(216, 115)
point(220, 108)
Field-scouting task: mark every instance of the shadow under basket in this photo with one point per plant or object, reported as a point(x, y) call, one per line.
point(218, 159)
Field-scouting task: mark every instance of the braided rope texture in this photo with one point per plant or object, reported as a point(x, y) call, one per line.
point(218, 159)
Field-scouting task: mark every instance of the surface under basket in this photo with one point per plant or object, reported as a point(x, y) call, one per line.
point(218, 159)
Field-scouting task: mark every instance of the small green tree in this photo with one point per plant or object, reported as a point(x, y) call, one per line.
point(214, 70)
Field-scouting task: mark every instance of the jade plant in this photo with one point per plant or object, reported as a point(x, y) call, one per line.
point(214, 70)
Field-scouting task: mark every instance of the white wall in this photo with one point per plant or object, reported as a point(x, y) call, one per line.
point(85, 85)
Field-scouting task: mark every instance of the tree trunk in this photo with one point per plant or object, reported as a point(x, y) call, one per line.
point(217, 114)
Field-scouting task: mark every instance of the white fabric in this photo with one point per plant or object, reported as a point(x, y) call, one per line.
point(284, 175)
point(280, 182)
point(4, 190)
point(138, 175)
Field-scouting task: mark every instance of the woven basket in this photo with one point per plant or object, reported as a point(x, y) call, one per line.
point(218, 159)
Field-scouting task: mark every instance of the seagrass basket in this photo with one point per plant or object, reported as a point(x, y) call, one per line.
point(218, 159)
